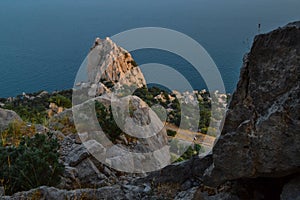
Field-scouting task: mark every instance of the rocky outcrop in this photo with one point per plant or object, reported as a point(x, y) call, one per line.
point(143, 144)
point(7, 117)
point(261, 135)
point(186, 173)
point(82, 170)
point(141, 123)
point(109, 64)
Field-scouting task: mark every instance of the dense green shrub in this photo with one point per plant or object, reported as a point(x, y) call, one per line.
point(30, 113)
point(171, 133)
point(190, 152)
point(61, 101)
point(31, 164)
point(145, 95)
point(34, 109)
point(193, 150)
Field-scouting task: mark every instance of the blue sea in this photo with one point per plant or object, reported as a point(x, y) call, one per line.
point(44, 42)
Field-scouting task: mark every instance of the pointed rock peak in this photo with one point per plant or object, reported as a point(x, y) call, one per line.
point(109, 64)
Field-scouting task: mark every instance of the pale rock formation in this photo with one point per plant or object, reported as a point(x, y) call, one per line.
point(109, 64)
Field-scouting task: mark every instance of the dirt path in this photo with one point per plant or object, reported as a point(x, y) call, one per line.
point(187, 135)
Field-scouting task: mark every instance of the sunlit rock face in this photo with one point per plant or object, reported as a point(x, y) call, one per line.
point(110, 64)
point(261, 135)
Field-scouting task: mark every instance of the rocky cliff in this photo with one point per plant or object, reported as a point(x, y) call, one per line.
point(261, 135)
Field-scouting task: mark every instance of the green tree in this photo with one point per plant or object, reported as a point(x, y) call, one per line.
point(61, 100)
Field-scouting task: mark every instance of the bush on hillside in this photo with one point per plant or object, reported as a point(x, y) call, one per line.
point(61, 101)
point(15, 131)
point(34, 162)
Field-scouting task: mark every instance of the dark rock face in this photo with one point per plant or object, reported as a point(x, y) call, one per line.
point(180, 172)
point(291, 191)
point(261, 135)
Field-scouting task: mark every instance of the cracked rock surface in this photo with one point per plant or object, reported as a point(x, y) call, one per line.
point(261, 135)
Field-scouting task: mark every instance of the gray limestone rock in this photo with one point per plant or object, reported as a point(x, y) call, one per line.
point(7, 117)
point(261, 135)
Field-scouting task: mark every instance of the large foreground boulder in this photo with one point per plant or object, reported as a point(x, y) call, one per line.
point(261, 135)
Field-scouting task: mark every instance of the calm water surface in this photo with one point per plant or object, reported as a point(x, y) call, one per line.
point(43, 43)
